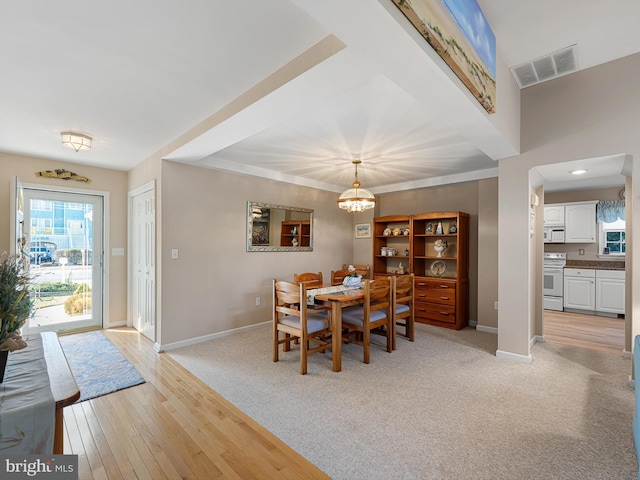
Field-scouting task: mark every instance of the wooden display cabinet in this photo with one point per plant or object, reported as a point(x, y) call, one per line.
point(398, 229)
point(302, 233)
point(442, 280)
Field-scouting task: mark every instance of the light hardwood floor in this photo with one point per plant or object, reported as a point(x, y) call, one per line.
point(604, 334)
point(173, 426)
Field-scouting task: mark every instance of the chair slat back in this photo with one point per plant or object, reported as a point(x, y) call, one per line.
point(361, 269)
point(338, 276)
point(290, 299)
point(287, 298)
point(309, 278)
point(379, 293)
point(404, 288)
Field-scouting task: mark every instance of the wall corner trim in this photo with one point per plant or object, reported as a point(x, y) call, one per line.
point(484, 328)
point(514, 357)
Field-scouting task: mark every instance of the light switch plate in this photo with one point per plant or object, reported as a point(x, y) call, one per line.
point(174, 253)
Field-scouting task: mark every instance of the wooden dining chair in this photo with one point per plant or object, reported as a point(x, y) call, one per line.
point(360, 269)
point(402, 306)
point(296, 322)
point(337, 276)
point(308, 278)
point(374, 313)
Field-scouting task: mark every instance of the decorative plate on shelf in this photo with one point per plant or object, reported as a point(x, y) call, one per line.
point(438, 268)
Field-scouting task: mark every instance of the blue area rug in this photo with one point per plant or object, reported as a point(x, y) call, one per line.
point(97, 365)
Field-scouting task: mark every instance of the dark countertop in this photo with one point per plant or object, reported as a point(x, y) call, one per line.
point(596, 264)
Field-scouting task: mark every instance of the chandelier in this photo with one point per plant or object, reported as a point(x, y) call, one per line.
point(76, 141)
point(356, 199)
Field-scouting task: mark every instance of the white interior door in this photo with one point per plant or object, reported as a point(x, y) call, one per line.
point(143, 262)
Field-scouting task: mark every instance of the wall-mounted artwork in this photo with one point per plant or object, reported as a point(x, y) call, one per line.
point(458, 31)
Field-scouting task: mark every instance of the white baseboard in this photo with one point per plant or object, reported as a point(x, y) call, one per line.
point(484, 328)
point(535, 339)
point(121, 323)
point(632, 382)
point(627, 354)
point(473, 323)
point(515, 357)
point(205, 338)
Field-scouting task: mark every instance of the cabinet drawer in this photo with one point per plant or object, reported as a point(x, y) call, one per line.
point(441, 296)
point(611, 274)
point(440, 313)
point(580, 272)
point(435, 284)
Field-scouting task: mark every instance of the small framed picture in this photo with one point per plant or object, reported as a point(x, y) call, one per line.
point(363, 230)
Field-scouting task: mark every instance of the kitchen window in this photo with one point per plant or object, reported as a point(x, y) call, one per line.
point(611, 227)
point(613, 237)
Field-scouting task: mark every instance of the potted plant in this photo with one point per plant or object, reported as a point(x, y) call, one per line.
point(15, 307)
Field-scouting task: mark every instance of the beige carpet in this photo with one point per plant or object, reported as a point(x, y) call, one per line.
point(443, 407)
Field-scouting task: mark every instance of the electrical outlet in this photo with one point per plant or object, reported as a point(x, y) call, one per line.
point(495, 305)
point(174, 253)
point(581, 251)
point(257, 301)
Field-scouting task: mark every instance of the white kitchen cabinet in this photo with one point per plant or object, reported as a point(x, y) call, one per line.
point(580, 223)
point(580, 288)
point(553, 215)
point(610, 291)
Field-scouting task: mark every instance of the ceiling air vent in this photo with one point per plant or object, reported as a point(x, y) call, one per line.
point(545, 68)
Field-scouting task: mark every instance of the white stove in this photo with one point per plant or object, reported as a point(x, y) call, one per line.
point(554, 263)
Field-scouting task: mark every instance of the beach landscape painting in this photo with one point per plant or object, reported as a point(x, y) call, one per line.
point(458, 31)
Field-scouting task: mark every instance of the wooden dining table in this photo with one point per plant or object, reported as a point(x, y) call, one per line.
point(337, 301)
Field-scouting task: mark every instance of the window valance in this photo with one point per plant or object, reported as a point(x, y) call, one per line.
point(610, 210)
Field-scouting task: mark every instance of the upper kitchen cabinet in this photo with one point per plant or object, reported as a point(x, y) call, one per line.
point(553, 215)
point(580, 222)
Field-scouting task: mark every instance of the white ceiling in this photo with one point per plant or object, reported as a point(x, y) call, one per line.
point(286, 89)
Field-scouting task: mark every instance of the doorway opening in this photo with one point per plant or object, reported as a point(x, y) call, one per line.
point(587, 308)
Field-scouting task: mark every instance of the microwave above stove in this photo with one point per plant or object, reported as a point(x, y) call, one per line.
point(554, 235)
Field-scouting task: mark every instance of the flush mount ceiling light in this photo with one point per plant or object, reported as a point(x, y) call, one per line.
point(579, 171)
point(76, 141)
point(356, 199)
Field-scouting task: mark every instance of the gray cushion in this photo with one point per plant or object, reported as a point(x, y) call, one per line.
point(356, 318)
point(354, 310)
point(315, 322)
point(401, 308)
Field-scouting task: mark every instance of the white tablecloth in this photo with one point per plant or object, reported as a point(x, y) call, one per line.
point(311, 293)
point(27, 407)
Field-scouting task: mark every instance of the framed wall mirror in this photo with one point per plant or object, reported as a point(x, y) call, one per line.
point(278, 228)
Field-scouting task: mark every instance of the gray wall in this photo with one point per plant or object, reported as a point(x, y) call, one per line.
point(589, 114)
